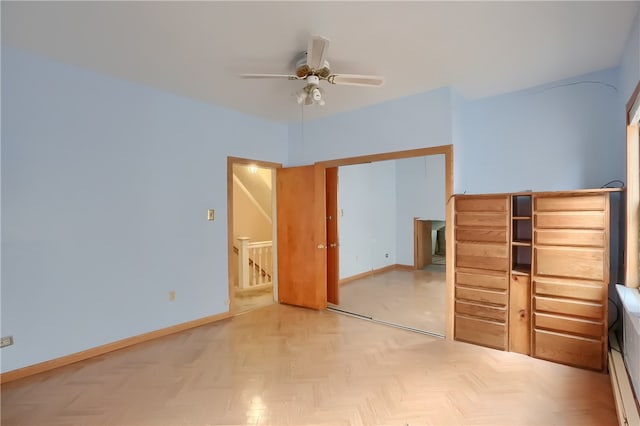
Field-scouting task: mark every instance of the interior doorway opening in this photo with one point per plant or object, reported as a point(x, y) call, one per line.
point(380, 200)
point(252, 236)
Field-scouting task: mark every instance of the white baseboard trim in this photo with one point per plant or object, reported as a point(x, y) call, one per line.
point(626, 405)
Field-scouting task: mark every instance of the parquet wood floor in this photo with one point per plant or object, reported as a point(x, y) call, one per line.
point(283, 365)
point(411, 298)
point(249, 301)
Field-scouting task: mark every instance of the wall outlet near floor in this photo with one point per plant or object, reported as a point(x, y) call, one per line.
point(386, 255)
point(6, 341)
point(172, 296)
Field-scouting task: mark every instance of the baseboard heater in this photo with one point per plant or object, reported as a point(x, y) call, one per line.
point(624, 364)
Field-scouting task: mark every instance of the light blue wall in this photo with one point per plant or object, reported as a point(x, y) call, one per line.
point(417, 121)
point(564, 135)
point(366, 199)
point(105, 184)
point(630, 65)
point(383, 212)
point(105, 188)
point(420, 192)
point(379, 201)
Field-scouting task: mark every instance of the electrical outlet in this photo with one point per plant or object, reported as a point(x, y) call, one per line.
point(386, 255)
point(6, 341)
point(172, 296)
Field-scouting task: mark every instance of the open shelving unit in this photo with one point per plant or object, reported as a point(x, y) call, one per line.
point(521, 230)
point(520, 281)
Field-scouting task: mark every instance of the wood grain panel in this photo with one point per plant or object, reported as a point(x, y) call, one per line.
point(571, 203)
point(482, 256)
point(570, 289)
point(499, 281)
point(481, 332)
point(493, 235)
point(585, 263)
point(478, 295)
point(520, 314)
point(574, 237)
point(109, 347)
point(482, 204)
point(333, 241)
point(594, 329)
point(632, 207)
point(482, 311)
point(570, 220)
point(302, 236)
point(482, 219)
point(568, 307)
point(571, 350)
point(285, 366)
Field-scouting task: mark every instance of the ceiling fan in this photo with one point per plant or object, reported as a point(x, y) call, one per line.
point(312, 66)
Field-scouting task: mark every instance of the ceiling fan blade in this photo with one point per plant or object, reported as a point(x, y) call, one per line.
point(317, 51)
point(287, 76)
point(356, 80)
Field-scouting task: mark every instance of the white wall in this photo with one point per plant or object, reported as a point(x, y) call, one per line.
point(249, 220)
point(105, 189)
point(366, 200)
point(420, 192)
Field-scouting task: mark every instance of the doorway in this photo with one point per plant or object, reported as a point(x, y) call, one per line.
point(252, 247)
point(378, 277)
point(379, 205)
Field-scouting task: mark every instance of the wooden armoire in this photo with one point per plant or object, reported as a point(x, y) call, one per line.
point(532, 272)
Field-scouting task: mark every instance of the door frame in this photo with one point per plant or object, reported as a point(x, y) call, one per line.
point(632, 278)
point(447, 151)
point(231, 161)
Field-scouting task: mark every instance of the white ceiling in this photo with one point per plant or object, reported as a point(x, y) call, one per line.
point(197, 49)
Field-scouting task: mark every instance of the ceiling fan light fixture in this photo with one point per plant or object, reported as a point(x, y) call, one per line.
point(316, 94)
point(301, 95)
point(312, 66)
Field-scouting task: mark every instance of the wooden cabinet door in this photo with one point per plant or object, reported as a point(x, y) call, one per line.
point(333, 241)
point(301, 223)
point(520, 314)
point(570, 278)
point(481, 264)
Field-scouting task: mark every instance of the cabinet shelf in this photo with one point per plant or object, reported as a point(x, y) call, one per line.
point(521, 218)
point(521, 269)
point(522, 243)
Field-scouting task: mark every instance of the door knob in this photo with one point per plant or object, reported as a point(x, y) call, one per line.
point(321, 246)
point(332, 245)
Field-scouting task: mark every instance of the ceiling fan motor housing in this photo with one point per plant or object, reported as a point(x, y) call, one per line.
point(303, 70)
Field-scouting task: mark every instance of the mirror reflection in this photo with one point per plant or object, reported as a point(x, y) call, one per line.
point(391, 225)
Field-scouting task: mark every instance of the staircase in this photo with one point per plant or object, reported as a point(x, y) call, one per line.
point(255, 265)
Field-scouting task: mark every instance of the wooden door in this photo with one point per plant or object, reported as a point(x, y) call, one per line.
point(301, 222)
point(422, 243)
point(481, 270)
point(333, 253)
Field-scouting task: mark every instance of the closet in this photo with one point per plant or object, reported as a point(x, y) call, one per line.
point(532, 271)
